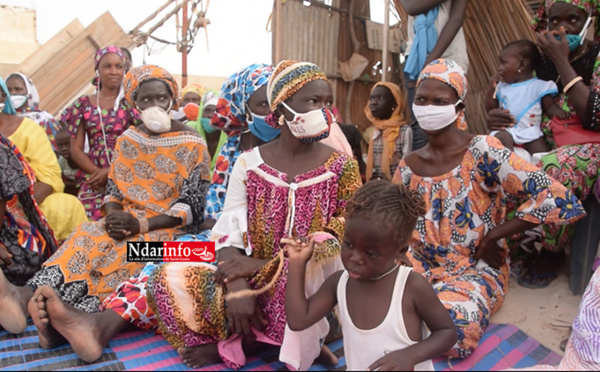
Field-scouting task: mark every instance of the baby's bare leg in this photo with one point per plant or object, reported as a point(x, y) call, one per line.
point(506, 139)
point(538, 145)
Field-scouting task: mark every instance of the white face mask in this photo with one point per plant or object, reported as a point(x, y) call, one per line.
point(18, 100)
point(156, 119)
point(434, 117)
point(310, 126)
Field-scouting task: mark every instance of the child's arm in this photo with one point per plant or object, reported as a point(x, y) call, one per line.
point(451, 28)
point(491, 101)
point(430, 310)
point(552, 109)
point(300, 312)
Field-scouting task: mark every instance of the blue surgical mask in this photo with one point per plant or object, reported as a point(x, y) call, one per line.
point(576, 40)
point(206, 125)
point(259, 127)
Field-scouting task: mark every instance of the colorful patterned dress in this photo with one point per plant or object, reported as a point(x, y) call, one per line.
point(577, 167)
point(150, 176)
point(261, 208)
point(129, 299)
point(24, 232)
point(463, 206)
point(115, 122)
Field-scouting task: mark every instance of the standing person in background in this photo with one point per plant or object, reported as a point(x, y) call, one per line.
point(434, 31)
point(64, 212)
point(392, 138)
point(101, 117)
point(26, 101)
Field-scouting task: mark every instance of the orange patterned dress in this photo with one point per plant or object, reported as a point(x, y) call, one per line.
point(463, 205)
point(151, 175)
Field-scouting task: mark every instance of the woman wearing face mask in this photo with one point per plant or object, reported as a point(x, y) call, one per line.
point(460, 244)
point(192, 107)
point(291, 187)
point(573, 62)
point(101, 117)
point(26, 101)
point(156, 190)
point(63, 211)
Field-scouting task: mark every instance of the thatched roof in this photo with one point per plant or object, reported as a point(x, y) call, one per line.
point(488, 25)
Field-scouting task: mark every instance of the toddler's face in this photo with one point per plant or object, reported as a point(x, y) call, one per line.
point(63, 142)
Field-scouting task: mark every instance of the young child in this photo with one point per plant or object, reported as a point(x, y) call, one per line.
point(516, 89)
point(67, 165)
point(383, 306)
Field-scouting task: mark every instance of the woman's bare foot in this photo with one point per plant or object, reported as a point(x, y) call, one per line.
point(87, 333)
point(326, 356)
point(13, 305)
point(200, 356)
point(49, 338)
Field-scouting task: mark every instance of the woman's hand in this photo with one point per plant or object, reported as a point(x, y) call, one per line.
point(5, 256)
point(399, 360)
point(490, 251)
point(500, 119)
point(236, 267)
point(98, 178)
point(556, 50)
point(121, 225)
point(243, 312)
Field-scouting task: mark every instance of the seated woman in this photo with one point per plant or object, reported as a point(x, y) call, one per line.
point(575, 67)
point(460, 244)
point(156, 192)
point(290, 187)
point(63, 211)
point(128, 304)
point(26, 240)
point(26, 101)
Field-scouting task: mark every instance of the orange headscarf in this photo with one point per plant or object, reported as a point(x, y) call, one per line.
point(390, 128)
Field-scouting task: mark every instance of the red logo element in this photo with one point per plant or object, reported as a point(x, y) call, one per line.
point(189, 251)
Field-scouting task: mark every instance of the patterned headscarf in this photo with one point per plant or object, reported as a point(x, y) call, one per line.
point(104, 51)
point(540, 20)
point(138, 75)
point(33, 98)
point(194, 88)
point(230, 112)
point(390, 129)
point(449, 72)
point(288, 78)
point(8, 106)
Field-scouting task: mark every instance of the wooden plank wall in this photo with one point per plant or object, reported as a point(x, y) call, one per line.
point(64, 66)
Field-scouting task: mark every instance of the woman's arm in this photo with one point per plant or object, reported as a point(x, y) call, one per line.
point(416, 7)
point(78, 155)
point(447, 34)
point(41, 192)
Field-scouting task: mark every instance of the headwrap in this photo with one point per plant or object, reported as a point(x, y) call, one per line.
point(194, 88)
point(449, 72)
point(139, 75)
point(33, 98)
point(104, 51)
point(8, 107)
point(230, 112)
point(288, 78)
point(390, 128)
point(211, 98)
point(540, 21)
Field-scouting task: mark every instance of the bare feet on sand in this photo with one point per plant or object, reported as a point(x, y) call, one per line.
point(58, 323)
point(13, 305)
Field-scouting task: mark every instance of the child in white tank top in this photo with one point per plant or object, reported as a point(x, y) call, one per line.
point(391, 317)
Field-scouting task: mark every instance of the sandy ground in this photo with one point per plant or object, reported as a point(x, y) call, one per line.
point(536, 311)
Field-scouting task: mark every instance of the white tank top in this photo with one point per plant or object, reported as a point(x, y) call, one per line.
point(364, 347)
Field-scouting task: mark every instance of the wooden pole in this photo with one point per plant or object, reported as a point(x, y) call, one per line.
point(386, 29)
point(184, 46)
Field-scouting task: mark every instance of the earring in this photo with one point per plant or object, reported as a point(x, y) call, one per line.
point(97, 73)
point(281, 120)
point(519, 71)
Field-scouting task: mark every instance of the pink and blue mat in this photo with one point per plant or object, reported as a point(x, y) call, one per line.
point(502, 346)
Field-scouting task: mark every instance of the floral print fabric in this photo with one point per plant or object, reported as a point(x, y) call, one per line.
point(463, 206)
